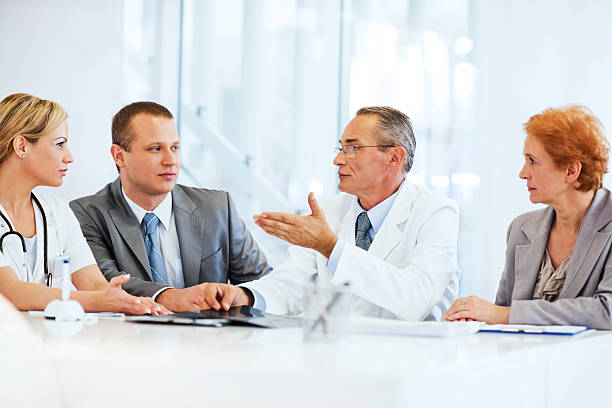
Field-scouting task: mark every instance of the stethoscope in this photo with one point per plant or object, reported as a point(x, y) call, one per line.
point(48, 277)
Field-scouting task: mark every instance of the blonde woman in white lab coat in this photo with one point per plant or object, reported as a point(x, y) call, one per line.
point(36, 229)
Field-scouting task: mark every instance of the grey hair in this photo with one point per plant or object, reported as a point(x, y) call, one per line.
point(394, 128)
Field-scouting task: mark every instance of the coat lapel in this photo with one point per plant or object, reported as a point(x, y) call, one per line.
point(389, 235)
point(528, 258)
point(126, 223)
point(589, 245)
point(39, 266)
point(347, 226)
point(190, 230)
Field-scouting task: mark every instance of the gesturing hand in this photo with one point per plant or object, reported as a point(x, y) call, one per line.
point(309, 231)
point(115, 299)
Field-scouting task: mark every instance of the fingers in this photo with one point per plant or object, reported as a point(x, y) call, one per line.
point(462, 316)
point(314, 205)
point(134, 305)
point(163, 310)
point(275, 228)
point(452, 309)
point(117, 281)
point(228, 299)
point(461, 304)
point(281, 217)
point(210, 295)
point(152, 307)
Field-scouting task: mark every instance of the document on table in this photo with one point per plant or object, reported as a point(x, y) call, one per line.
point(371, 325)
point(531, 329)
point(98, 315)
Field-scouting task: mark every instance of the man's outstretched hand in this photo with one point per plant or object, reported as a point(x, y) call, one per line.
point(308, 231)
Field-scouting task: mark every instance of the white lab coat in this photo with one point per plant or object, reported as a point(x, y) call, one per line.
point(410, 271)
point(64, 238)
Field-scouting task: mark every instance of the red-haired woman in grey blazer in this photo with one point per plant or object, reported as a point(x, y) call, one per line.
point(558, 268)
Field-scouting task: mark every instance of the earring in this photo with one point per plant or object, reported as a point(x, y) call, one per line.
point(23, 156)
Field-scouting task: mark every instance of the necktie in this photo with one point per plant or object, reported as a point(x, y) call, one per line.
point(156, 259)
point(362, 238)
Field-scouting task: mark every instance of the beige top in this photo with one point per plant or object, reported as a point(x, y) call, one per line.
point(550, 281)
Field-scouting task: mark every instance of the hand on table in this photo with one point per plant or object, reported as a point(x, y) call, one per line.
point(184, 300)
point(475, 308)
point(222, 295)
point(309, 231)
point(115, 299)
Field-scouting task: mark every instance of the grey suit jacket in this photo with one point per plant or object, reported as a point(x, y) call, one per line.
point(586, 296)
point(214, 243)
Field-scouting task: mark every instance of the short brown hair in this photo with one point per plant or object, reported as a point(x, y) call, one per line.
point(122, 134)
point(29, 116)
point(573, 133)
point(394, 128)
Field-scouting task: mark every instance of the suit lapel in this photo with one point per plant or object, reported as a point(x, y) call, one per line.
point(528, 258)
point(190, 231)
point(581, 266)
point(126, 223)
point(589, 245)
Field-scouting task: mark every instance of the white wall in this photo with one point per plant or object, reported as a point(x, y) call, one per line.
point(67, 51)
point(532, 55)
point(529, 55)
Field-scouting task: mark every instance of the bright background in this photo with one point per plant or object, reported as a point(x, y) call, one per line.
point(263, 88)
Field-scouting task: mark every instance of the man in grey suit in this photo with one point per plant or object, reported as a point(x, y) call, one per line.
point(172, 239)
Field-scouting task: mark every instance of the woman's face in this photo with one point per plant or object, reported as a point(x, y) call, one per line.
point(545, 181)
point(49, 157)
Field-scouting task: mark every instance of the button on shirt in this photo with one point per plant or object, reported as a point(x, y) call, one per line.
point(168, 239)
point(376, 214)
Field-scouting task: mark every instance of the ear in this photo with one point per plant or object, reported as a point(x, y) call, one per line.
point(20, 146)
point(118, 155)
point(573, 171)
point(398, 155)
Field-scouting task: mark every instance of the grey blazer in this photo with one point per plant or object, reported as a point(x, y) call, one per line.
point(214, 243)
point(586, 296)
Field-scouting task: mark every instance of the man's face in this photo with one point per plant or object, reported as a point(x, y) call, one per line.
point(363, 172)
point(151, 166)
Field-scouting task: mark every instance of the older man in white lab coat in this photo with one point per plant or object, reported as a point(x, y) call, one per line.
point(394, 242)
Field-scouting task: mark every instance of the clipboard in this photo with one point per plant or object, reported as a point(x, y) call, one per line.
point(532, 329)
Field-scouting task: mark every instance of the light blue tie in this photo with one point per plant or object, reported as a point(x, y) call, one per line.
point(362, 238)
point(156, 259)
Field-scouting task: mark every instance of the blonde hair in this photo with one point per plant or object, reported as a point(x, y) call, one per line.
point(29, 116)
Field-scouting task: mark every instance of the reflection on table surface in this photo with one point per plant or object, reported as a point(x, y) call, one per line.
point(268, 367)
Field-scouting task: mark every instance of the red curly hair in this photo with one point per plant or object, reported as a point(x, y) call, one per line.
point(573, 133)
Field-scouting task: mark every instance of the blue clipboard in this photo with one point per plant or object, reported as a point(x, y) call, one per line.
point(531, 329)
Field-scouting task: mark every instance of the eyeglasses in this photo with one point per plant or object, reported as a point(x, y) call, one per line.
point(350, 149)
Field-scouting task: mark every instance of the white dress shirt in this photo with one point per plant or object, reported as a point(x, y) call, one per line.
point(168, 239)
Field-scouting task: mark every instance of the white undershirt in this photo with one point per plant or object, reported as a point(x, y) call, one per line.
point(168, 239)
point(30, 244)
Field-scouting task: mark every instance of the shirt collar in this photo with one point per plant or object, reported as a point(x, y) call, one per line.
point(378, 213)
point(163, 211)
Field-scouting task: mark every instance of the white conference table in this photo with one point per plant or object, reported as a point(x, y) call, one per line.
point(116, 364)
